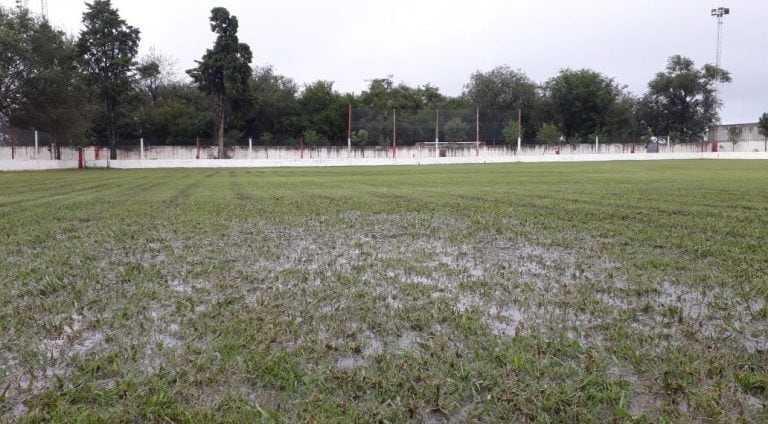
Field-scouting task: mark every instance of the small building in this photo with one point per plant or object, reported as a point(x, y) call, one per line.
point(748, 132)
point(748, 138)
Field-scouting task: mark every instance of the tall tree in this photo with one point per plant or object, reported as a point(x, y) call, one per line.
point(55, 95)
point(108, 46)
point(40, 84)
point(16, 28)
point(224, 71)
point(682, 100)
point(581, 102)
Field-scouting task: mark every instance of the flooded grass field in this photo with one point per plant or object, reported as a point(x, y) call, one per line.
point(494, 293)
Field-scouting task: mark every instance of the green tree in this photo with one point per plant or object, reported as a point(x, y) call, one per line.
point(498, 94)
point(155, 70)
point(581, 101)
point(360, 138)
point(182, 113)
point(323, 111)
point(55, 97)
point(311, 138)
point(224, 71)
point(455, 129)
point(40, 85)
point(762, 127)
point(266, 137)
point(683, 99)
point(624, 123)
point(734, 132)
point(16, 31)
point(108, 46)
point(275, 105)
point(512, 131)
point(548, 133)
point(149, 77)
point(384, 95)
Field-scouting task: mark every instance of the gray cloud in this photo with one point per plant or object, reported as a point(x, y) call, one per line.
point(443, 42)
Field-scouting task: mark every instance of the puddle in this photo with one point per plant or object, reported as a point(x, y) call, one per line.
point(177, 285)
point(372, 345)
point(503, 320)
point(15, 410)
point(408, 341)
point(349, 362)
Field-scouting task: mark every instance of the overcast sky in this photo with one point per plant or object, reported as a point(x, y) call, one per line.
point(443, 42)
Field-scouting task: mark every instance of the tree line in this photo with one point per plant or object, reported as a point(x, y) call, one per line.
point(93, 87)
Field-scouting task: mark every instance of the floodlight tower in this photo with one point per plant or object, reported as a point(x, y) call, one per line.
point(719, 14)
point(44, 9)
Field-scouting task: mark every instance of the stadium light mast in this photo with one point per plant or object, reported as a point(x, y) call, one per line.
point(719, 14)
point(44, 9)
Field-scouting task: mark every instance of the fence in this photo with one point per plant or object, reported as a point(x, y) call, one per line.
point(23, 144)
point(371, 134)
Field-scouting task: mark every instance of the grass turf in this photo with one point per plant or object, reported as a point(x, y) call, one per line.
point(525, 292)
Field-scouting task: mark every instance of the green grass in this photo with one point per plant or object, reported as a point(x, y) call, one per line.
point(526, 292)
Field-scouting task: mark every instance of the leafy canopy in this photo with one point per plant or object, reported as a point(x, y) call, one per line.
point(682, 100)
point(225, 69)
point(582, 101)
point(762, 125)
point(108, 46)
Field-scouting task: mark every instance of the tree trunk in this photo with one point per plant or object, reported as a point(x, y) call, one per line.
point(111, 131)
point(220, 125)
point(56, 146)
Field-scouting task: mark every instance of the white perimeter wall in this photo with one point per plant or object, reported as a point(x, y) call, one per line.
point(281, 153)
point(245, 163)
point(26, 158)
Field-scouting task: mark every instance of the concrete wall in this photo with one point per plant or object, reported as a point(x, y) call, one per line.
point(29, 153)
point(748, 132)
point(414, 152)
point(36, 165)
point(306, 162)
point(26, 158)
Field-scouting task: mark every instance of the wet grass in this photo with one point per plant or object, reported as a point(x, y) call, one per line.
point(528, 292)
